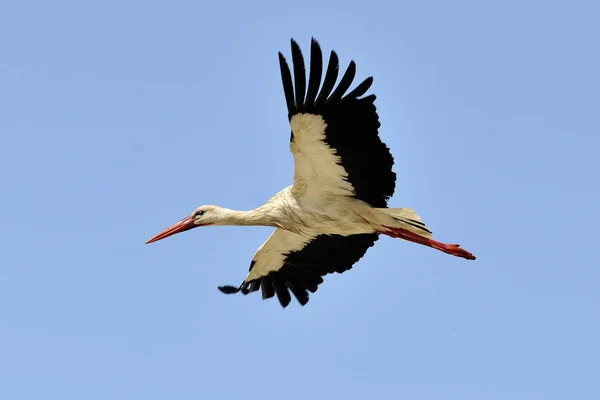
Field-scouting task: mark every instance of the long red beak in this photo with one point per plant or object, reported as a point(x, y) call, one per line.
point(185, 224)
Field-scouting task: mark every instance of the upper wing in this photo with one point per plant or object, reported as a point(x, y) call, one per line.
point(295, 262)
point(334, 138)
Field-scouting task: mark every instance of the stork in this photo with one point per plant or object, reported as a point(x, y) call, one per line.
point(336, 207)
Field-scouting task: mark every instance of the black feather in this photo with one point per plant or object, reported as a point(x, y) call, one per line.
point(267, 288)
point(255, 286)
point(299, 76)
point(282, 292)
point(316, 69)
point(360, 89)
point(288, 87)
point(330, 79)
point(227, 289)
point(344, 84)
point(300, 294)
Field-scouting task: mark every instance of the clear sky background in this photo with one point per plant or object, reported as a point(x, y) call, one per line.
point(119, 118)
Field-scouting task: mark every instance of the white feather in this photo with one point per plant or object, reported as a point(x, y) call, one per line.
point(317, 168)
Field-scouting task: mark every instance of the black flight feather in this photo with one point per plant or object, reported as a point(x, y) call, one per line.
point(288, 87)
point(316, 69)
point(267, 288)
point(299, 75)
point(282, 292)
point(360, 89)
point(330, 79)
point(344, 83)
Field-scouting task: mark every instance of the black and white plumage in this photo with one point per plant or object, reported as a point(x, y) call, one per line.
point(337, 206)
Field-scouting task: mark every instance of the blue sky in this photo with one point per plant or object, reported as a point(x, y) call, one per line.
point(119, 118)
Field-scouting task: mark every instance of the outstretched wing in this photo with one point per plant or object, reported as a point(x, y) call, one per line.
point(337, 150)
point(334, 140)
point(291, 262)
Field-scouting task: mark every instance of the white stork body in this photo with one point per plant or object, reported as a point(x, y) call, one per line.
point(337, 205)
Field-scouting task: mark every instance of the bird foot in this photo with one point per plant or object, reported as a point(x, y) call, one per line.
point(453, 249)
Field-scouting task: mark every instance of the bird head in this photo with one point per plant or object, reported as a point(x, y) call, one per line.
point(202, 216)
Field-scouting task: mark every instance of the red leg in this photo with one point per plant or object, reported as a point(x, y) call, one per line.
point(453, 249)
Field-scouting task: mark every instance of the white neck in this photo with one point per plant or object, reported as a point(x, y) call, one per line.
point(226, 216)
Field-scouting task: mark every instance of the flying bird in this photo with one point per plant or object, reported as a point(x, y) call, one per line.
point(336, 207)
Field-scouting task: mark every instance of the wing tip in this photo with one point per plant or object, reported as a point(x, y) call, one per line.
point(228, 289)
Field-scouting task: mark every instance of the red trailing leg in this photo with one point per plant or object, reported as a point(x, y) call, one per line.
point(453, 249)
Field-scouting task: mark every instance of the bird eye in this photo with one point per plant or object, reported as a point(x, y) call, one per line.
point(199, 213)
